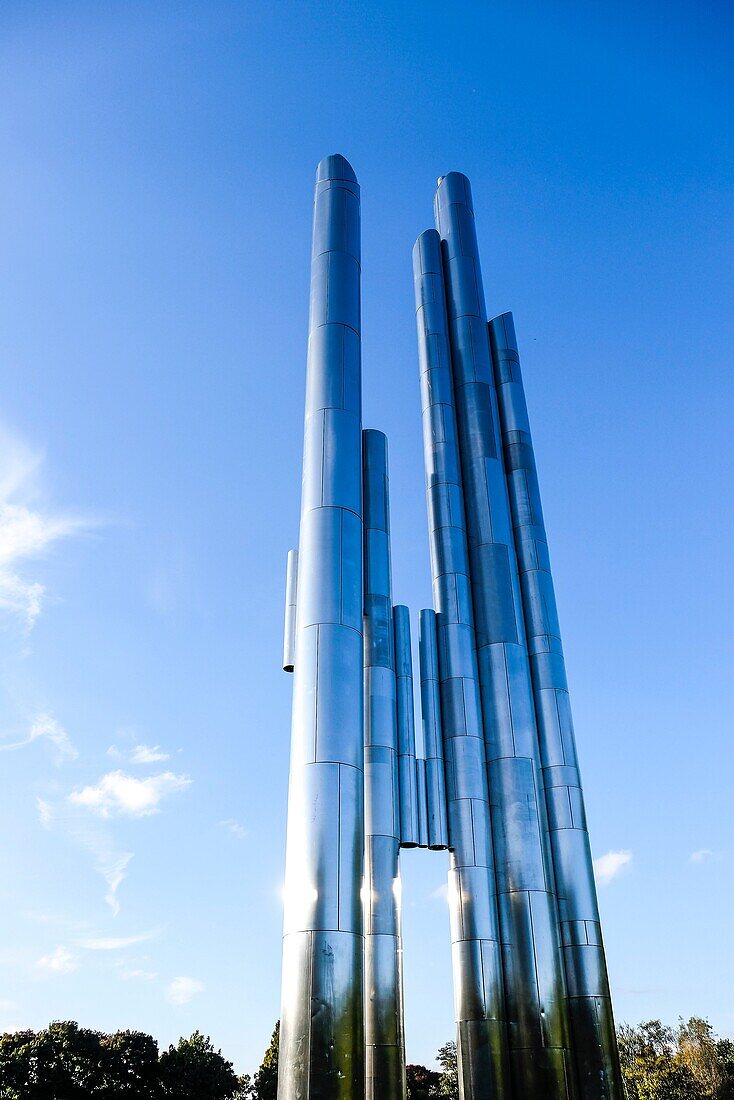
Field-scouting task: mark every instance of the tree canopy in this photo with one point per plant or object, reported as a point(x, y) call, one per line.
point(687, 1062)
point(69, 1062)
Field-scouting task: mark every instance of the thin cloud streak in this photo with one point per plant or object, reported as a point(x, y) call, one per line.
point(234, 828)
point(114, 943)
point(45, 726)
point(140, 754)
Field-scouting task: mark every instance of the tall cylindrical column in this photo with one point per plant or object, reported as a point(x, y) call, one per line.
point(538, 1032)
point(384, 1028)
point(477, 963)
point(438, 832)
point(322, 1022)
point(406, 728)
point(592, 1022)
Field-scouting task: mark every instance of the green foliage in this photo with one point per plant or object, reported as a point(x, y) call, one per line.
point(725, 1054)
point(683, 1063)
point(447, 1059)
point(265, 1085)
point(422, 1083)
point(68, 1062)
point(194, 1070)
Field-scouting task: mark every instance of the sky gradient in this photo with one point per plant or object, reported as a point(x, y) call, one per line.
point(156, 180)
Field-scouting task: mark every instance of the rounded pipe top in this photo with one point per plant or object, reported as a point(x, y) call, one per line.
point(427, 254)
point(502, 331)
point(454, 187)
point(403, 658)
point(335, 167)
point(374, 444)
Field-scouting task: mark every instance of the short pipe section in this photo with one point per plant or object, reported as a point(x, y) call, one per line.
point(406, 728)
point(438, 834)
point(289, 626)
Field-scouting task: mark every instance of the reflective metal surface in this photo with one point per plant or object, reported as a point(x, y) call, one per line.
point(537, 1019)
point(322, 1033)
point(289, 627)
point(406, 728)
point(437, 823)
point(421, 801)
point(595, 1046)
point(498, 783)
point(477, 956)
point(384, 1031)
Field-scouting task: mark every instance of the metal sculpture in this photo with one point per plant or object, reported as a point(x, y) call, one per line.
point(498, 782)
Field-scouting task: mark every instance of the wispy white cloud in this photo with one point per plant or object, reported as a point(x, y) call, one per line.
point(118, 794)
point(139, 754)
point(44, 726)
point(45, 812)
point(59, 961)
point(607, 867)
point(137, 974)
point(113, 868)
point(26, 529)
point(114, 943)
point(441, 893)
point(182, 989)
point(701, 855)
point(109, 860)
point(234, 828)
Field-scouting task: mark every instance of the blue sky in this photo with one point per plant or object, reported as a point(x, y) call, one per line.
point(156, 175)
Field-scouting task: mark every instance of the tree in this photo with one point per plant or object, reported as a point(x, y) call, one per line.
point(697, 1050)
point(265, 1084)
point(195, 1070)
point(423, 1083)
point(725, 1054)
point(63, 1062)
point(448, 1061)
point(651, 1064)
point(130, 1066)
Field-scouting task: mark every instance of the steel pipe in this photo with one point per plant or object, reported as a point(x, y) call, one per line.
point(421, 801)
point(384, 1027)
point(322, 1022)
point(438, 836)
point(289, 627)
point(475, 937)
point(538, 1031)
point(590, 1003)
point(406, 728)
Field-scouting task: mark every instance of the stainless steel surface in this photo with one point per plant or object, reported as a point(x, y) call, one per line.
point(437, 824)
point(384, 1028)
point(592, 1022)
point(289, 627)
point(322, 1028)
point(421, 801)
point(537, 1016)
point(477, 958)
point(406, 728)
